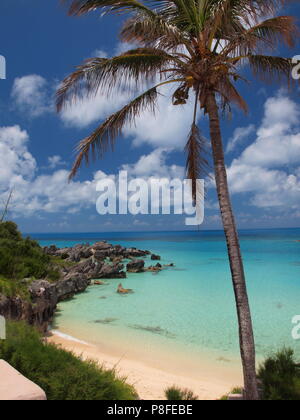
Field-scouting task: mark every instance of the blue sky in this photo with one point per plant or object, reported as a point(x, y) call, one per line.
point(42, 45)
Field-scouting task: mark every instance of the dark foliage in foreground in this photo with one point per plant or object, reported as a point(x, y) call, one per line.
point(21, 258)
point(59, 373)
point(280, 377)
point(175, 393)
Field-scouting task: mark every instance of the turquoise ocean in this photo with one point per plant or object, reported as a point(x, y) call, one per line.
point(188, 309)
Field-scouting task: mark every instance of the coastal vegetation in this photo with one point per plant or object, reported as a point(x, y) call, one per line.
point(280, 377)
point(22, 260)
point(174, 393)
point(62, 375)
point(202, 49)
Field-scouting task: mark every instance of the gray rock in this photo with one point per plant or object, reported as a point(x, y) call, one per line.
point(136, 266)
point(114, 271)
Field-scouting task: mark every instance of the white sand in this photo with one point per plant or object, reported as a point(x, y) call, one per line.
point(149, 381)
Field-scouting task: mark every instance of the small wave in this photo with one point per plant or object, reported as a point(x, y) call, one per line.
point(68, 337)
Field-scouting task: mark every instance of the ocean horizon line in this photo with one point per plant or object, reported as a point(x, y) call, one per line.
point(157, 231)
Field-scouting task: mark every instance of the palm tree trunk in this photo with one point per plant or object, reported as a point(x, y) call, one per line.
point(247, 344)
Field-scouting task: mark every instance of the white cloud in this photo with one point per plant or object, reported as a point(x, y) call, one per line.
point(35, 194)
point(123, 47)
point(168, 128)
point(15, 160)
point(31, 96)
point(240, 134)
point(55, 161)
point(270, 167)
point(94, 108)
point(99, 53)
point(154, 165)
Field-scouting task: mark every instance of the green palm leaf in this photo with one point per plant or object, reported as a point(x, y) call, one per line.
point(106, 134)
point(105, 74)
point(80, 7)
point(270, 68)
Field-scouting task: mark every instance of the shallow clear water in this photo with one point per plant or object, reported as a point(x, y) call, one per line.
point(191, 307)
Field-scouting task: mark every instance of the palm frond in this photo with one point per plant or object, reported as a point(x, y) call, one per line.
point(125, 71)
point(196, 166)
point(266, 34)
point(106, 134)
point(80, 7)
point(154, 31)
point(229, 94)
point(275, 30)
point(270, 68)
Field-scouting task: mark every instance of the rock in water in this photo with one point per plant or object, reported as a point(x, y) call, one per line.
point(136, 266)
point(123, 291)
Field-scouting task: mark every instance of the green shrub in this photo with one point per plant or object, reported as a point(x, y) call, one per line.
point(177, 394)
point(59, 373)
point(235, 391)
point(280, 377)
point(22, 258)
point(12, 288)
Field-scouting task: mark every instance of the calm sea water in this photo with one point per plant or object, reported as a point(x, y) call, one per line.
point(191, 306)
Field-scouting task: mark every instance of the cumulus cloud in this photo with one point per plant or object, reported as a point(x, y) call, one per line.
point(270, 167)
point(93, 108)
point(169, 127)
point(99, 53)
point(239, 135)
point(55, 161)
point(15, 160)
point(35, 194)
point(154, 165)
point(31, 95)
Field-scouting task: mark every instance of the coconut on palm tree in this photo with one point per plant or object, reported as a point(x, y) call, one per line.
point(200, 47)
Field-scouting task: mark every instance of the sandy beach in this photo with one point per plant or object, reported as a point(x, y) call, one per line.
point(149, 381)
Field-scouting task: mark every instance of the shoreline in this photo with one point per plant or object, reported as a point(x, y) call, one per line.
point(149, 381)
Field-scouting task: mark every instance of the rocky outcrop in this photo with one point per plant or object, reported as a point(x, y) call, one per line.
point(123, 291)
point(155, 257)
point(100, 251)
point(156, 268)
point(136, 266)
point(83, 264)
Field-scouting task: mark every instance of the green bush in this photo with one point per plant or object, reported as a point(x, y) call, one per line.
point(11, 288)
point(177, 394)
point(280, 377)
point(22, 258)
point(59, 373)
point(235, 391)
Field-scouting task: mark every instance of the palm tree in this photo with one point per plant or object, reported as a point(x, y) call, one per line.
point(200, 47)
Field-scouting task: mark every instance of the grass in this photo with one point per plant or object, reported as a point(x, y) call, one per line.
point(59, 373)
point(21, 258)
point(234, 391)
point(61, 263)
point(175, 393)
point(12, 288)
